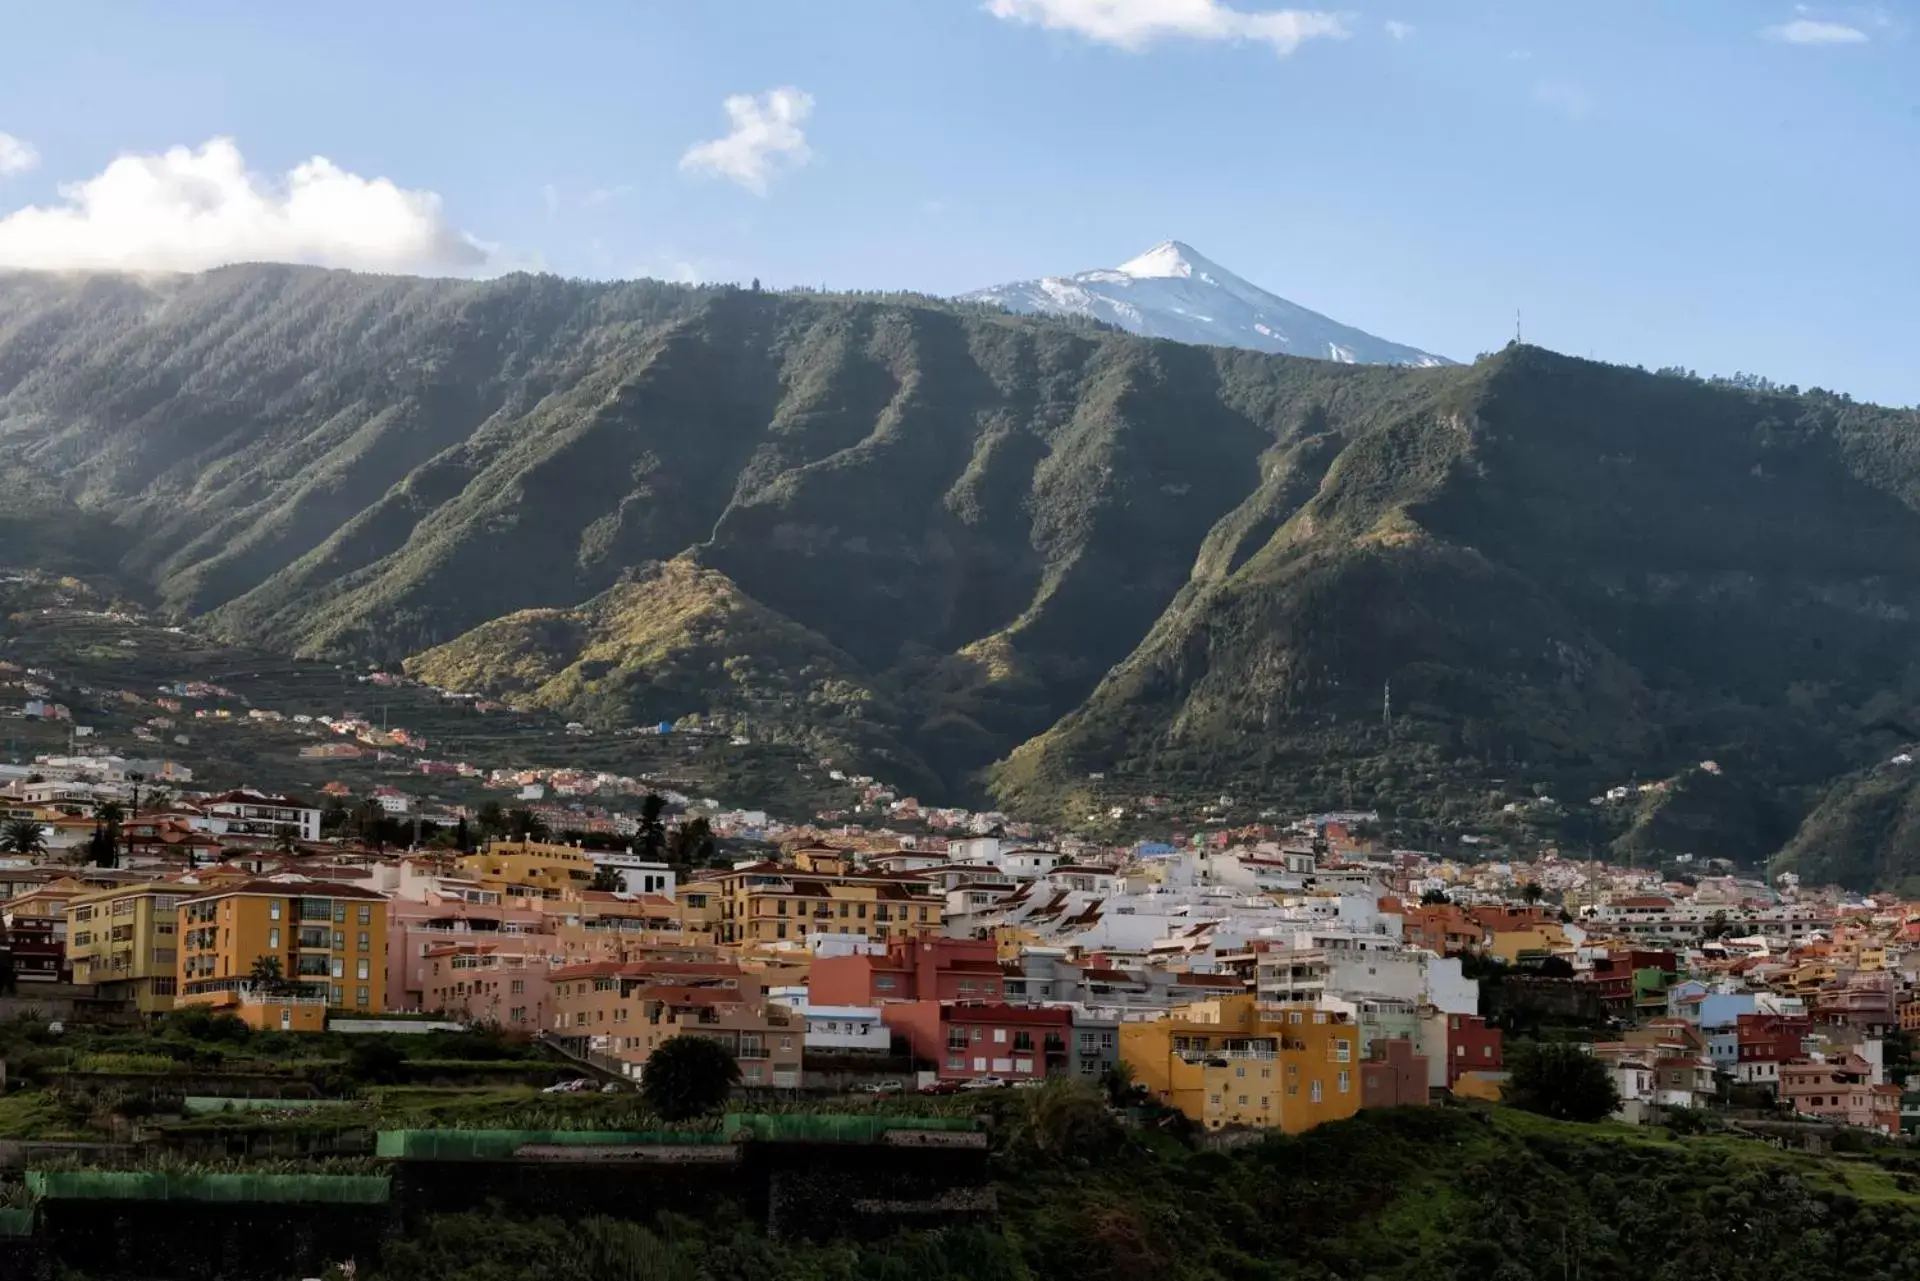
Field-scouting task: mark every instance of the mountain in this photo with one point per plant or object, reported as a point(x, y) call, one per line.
point(988, 555)
point(1170, 291)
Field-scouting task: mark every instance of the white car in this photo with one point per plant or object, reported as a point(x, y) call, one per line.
point(984, 1083)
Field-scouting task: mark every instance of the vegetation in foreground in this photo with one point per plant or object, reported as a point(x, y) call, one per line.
point(1414, 1195)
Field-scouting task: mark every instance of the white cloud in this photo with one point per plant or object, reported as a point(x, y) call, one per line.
point(16, 155)
point(1519, 55)
point(1136, 24)
point(1810, 31)
point(1565, 97)
point(765, 139)
point(186, 210)
point(1399, 30)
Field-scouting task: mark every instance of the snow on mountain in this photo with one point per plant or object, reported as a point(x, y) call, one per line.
point(1171, 291)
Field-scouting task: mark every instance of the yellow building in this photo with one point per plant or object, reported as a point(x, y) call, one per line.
point(1222, 1063)
point(1511, 946)
point(530, 869)
point(124, 942)
point(770, 903)
point(330, 942)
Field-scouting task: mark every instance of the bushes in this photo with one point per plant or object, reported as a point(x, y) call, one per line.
point(1562, 1080)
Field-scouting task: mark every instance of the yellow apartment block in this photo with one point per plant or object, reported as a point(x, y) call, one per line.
point(771, 903)
point(330, 942)
point(124, 942)
point(1222, 1062)
point(530, 869)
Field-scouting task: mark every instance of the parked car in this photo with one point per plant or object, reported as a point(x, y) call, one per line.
point(942, 1087)
point(882, 1087)
point(574, 1086)
point(984, 1083)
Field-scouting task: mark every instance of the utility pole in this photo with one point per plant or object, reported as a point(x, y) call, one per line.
point(1386, 710)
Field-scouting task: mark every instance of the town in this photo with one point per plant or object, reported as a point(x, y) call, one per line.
point(1279, 983)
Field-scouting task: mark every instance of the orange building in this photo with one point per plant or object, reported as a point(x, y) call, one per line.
point(1226, 1062)
point(280, 953)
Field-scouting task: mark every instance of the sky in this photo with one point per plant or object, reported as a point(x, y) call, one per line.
point(1728, 185)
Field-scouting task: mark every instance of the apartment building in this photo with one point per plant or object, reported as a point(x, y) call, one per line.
point(330, 941)
point(506, 981)
point(1232, 1061)
point(530, 869)
point(245, 812)
point(125, 943)
point(771, 903)
point(967, 1039)
point(627, 1010)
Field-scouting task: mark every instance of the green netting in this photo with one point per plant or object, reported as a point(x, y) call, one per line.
point(16, 1221)
point(498, 1145)
point(835, 1127)
point(128, 1185)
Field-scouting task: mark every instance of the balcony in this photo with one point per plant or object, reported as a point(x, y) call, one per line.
point(315, 940)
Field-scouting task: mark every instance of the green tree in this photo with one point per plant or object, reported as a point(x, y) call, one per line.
point(1532, 892)
point(373, 1060)
point(1434, 898)
point(691, 844)
point(1561, 1079)
point(525, 825)
point(1062, 1122)
point(268, 974)
point(607, 880)
point(284, 842)
point(651, 841)
point(23, 837)
point(1718, 927)
point(491, 819)
point(689, 1076)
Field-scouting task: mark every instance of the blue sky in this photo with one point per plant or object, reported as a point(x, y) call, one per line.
point(1725, 184)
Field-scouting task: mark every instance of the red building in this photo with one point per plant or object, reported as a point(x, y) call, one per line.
point(965, 1039)
point(1766, 1042)
point(939, 969)
point(1468, 1044)
point(1393, 1076)
point(38, 948)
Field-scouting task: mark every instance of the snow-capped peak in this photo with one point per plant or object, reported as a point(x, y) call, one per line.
point(1172, 291)
point(1168, 258)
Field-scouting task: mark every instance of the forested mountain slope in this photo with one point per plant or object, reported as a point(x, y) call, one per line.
point(954, 541)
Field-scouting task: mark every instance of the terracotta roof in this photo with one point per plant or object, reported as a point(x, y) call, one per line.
point(292, 889)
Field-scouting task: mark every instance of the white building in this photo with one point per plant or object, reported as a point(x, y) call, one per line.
point(837, 1029)
point(637, 875)
point(245, 812)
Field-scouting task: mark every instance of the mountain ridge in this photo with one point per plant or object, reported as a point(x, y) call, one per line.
point(1174, 291)
point(996, 556)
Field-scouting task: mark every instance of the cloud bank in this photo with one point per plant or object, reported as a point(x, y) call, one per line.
point(765, 140)
point(189, 209)
point(1137, 24)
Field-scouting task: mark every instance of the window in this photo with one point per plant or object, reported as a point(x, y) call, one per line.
point(340, 967)
point(1241, 1101)
point(339, 914)
point(360, 996)
point(1023, 1041)
point(365, 940)
point(518, 987)
point(1342, 1051)
point(956, 1063)
point(781, 908)
point(164, 987)
point(1314, 1094)
point(339, 941)
point(1213, 1101)
point(1266, 1073)
point(273, 939)
point(999, 1036)
point(1459, 1051)
point(273, 910)
point(361, 973)
point(783, 926)
point(883, 983)
point(1345, 1083)
point(1240, 1069)
point(366, 914)
point(337, 995)
point(286, 1019)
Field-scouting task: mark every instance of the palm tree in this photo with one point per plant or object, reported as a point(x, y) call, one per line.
point(525, 825)
point(1532, 892)
point(283, 842)
point(267, 973)
point(653, 829)
point(23, 837)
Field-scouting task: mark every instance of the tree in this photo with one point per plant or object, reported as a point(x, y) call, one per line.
point(335, 818)
point(370, 823)
point(1718, 927)
point(1532, 892)
point(268, 974)
point(491, 818)
point(463, 836)
point(1062, 1121)
point(691, 844)
point(1561, 1079)
point(374, 1061)
point(1121, 1087)
point(689, 1076)
point(525, 825)
point(1434, 898)
point(651, 840)
point(283, 842)
point(23, 837)
point(607, 880)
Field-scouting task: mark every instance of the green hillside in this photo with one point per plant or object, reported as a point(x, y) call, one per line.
point(987, 554)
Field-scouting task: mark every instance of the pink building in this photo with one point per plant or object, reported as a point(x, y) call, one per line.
point(415, 927)
point(933, 969)
point(505, 981)
point(1841, 1090)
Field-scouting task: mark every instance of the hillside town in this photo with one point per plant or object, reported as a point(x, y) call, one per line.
point(1276, 979)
